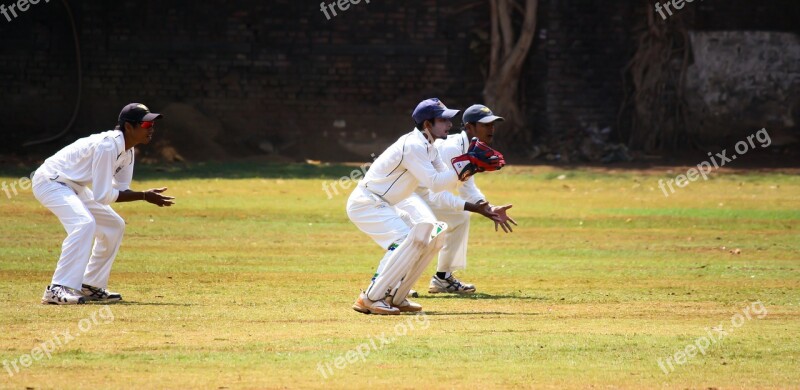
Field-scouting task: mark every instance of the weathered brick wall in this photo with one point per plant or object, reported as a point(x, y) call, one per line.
point(583, 46)
point(586, 44)
point(278, 71)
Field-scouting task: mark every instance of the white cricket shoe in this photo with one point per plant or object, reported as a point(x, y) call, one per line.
point(99, 294)
point(62, 295)
point(364, 305)
point(449, 285)
point(406, 306)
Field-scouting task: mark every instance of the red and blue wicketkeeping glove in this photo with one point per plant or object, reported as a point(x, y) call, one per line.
point(480, 157)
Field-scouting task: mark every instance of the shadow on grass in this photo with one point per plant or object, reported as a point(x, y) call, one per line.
point(480, 296)
point(473, 313)
point(241, 170)
point(221, 170)
point(135, 303)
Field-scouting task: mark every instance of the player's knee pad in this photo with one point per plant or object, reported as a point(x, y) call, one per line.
point(434, 245)
point(420, 234)
point(400, 261)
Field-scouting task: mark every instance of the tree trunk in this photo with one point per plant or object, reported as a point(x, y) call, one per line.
point(507, 56)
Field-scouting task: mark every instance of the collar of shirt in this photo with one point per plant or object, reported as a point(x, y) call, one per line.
point(464, 142)
point(422, 137)
point(119, 142)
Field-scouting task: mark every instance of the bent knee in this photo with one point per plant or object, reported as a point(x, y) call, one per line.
point(83, 225)
point(117, 223)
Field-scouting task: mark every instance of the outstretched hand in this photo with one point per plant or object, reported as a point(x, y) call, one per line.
point(484, 208)
point(156, 197)
point(502, 219)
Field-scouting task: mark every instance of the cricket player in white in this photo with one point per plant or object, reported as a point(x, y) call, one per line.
point(410, 162)
point(478, 122)
point(103, 161)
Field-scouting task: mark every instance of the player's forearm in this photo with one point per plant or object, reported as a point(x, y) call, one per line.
point(131, 196)
point(471, 207)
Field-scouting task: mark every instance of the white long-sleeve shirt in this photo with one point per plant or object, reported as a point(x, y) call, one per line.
point(99, 160)
point(408, 163)
point(453, 146)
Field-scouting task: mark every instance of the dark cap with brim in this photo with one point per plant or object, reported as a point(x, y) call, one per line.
point(431, 109)
point(137, 112)
point(480, 113)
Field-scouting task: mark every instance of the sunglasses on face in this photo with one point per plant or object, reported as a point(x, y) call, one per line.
point(147, 124)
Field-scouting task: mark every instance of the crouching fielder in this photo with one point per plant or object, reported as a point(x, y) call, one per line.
point(410, 162)
point(479, 122)
point(103, 161)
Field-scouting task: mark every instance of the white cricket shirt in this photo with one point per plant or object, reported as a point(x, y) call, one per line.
point(453, 146)
point(408, 163)
point(99, 160)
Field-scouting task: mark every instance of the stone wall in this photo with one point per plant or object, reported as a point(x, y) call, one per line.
point(741, 82)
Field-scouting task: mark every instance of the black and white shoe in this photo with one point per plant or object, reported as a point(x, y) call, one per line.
point(449, 285)
point(62, 295)
point(99, 294)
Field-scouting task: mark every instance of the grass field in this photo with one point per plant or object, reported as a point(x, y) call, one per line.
point(247, 283)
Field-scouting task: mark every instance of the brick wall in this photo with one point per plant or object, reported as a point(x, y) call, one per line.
point(575, 74)
point(586, 43)
point(279, 71)
point(276, 70)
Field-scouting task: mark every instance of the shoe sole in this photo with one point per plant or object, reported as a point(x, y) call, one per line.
point(361, 309)
point(409, 309)
point(366, 310)
point(80, 302)
point(103, 300)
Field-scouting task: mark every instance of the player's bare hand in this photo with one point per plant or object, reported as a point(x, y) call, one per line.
point(502, 219)
point(485, 209)
point(156, 196)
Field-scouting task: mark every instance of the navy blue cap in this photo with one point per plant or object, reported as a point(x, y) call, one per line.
point(480, 113)
point(137, 112)
point(430, 109)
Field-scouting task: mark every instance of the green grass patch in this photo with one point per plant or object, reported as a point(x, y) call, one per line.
point(247, 282)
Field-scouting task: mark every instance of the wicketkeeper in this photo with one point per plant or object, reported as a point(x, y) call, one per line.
point(478, 124)
point(103, 161)
point(410, 162)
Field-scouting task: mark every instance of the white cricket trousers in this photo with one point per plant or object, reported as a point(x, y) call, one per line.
point(453, 256)
point(85, 221)
point(382, 222)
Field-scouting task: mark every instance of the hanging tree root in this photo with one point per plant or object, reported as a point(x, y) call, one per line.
point(654, 80)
